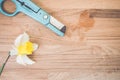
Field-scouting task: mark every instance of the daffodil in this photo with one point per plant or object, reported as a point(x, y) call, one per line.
point(23, 47)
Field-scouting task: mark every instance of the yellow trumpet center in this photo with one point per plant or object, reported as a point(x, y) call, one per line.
point(25, 49)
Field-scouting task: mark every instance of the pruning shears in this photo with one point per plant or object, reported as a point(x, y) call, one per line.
point(29, 8)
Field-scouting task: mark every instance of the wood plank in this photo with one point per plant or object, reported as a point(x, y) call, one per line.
point(88, 51)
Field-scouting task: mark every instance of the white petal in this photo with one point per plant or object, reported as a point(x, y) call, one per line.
point(21, 39)
point(35, 46)
point(20, 60)
point(18, 40)
point(13, 52)
point(27, 60)
point(25, 38)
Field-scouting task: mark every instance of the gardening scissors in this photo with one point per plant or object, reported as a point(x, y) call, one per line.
point(37, 13)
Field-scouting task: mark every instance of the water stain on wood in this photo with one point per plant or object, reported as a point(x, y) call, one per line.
point(85, 21)
point(84, 24)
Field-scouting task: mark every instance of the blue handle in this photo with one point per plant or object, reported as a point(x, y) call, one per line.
point(6, 13)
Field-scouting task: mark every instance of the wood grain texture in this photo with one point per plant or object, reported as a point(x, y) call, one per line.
point(90, 49)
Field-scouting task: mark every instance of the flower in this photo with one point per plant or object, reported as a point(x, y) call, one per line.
point(23, 47)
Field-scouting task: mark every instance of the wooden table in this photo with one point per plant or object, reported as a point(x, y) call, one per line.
point(90, 49)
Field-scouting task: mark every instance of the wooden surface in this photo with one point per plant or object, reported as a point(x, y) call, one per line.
point(90, 49)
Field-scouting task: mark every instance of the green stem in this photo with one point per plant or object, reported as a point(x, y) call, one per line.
point(2, 68)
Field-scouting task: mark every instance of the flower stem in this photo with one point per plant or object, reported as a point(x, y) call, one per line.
point(2, 68)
